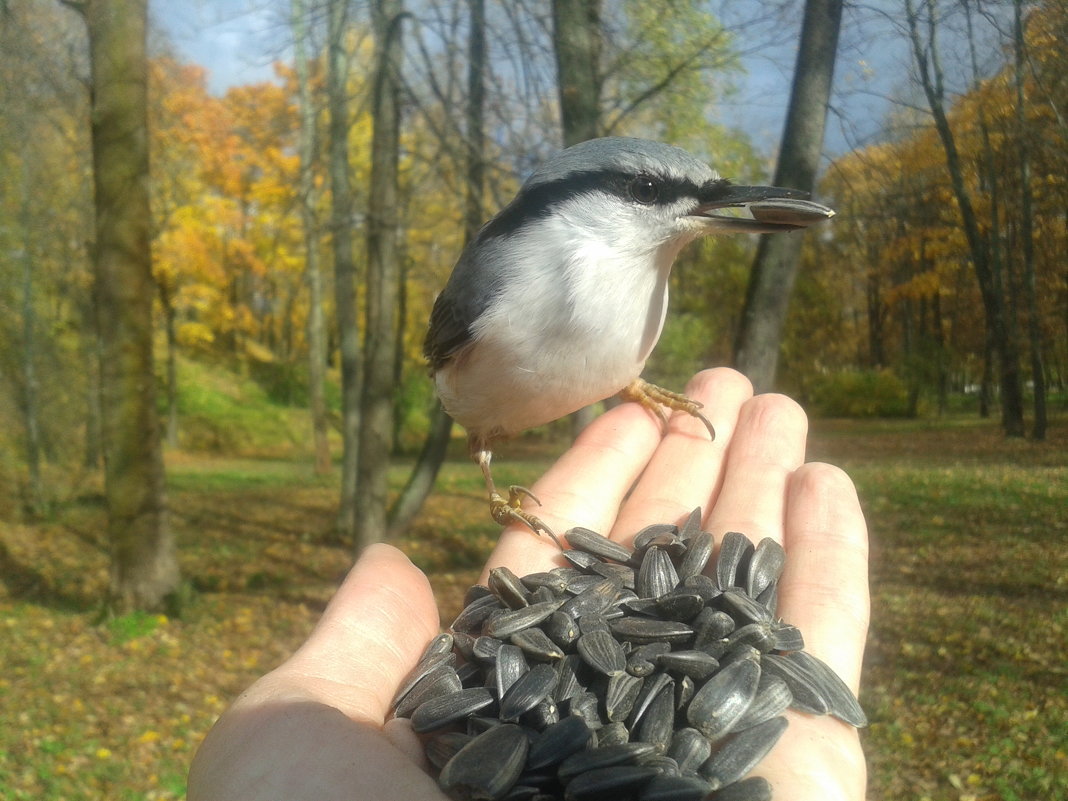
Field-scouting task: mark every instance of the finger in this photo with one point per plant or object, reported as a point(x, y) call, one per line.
point(583, 488)
point(370, 635)
point(824, 586)
point(767, 446)
point(823, 591)
point(687, 465)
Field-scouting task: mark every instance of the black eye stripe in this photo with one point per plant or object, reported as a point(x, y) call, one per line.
point(538, 201)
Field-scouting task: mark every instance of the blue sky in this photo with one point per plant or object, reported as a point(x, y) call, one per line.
point(237, 40)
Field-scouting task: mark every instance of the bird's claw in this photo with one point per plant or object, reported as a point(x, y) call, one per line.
point(511, 511)
point(655, 398)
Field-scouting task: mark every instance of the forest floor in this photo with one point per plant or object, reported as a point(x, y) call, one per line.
point(964, 676)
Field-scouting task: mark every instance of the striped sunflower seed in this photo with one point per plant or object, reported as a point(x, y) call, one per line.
point(509, 668)
point(536, 644)
point(765, 566)
point(734, 551)
point(662, 763)
point(773, 698)
point(646, 630)
point(528, 690)
point(690, 749)
point(840, 699)
point(657, 574)
point(602, 652)
point(806, 691)
point(692, 527)
point(615, 733)
point(661, 533)
point(658, 723)
point(443, 680)
point(422, 668)
point(470, 620)
point(620, 693)
point(557, 742)
point(698, 551)
point(674, 788)
point(605, 783)
point(437, 713)
point(442, 747)
point(741, 753)
point(488, 766)
point(505, 624)
point(506, 585)
point(608, 756)
point(723, 699)
point(586, 662)
point(755, 788)
point(591, 542)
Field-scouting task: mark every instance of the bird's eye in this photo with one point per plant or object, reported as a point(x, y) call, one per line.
point(644, 190)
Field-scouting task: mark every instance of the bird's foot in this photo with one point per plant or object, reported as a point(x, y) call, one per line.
point(655, 398)
point(511, 511)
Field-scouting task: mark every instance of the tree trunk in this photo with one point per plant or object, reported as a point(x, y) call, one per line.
point(30, 388)
point(986, 381)
point(994, 302)
point(425, 471)
point(876, 320)
point(309, 197)
point(383, 281)
point(169, 323)
point(344, 265)
point(91, 352)
point(577, 43)
point(401, 324)
point(144, 571)
point(756, 348)
point(1034, 327)
point(941, 366)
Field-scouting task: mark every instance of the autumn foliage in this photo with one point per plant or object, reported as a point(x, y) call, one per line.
point(897, 260)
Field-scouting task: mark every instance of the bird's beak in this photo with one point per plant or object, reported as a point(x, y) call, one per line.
point(773, 209)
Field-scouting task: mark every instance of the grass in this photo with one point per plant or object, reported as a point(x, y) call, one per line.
point(964, 676)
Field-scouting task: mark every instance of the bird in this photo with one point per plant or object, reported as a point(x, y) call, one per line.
point(559, 299)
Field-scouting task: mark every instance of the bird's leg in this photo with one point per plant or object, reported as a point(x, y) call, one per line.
point(510, 511)
point(654, 398)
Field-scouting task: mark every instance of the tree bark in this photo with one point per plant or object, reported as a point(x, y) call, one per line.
point(169, 324)
point(577, 43)
point(30, 387)
point(1034, 327)
point(344, 264)
point(91, 351)
point(309, 203)
point(144, 571)
point(771, 282)
point(425, 471)
point(990, 286)
point(383, 281)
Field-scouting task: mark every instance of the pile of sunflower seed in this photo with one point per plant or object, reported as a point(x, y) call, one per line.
point(629, 674)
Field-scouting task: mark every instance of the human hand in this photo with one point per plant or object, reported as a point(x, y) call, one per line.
point(315, 727)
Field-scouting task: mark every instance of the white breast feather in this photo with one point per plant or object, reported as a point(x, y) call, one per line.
point(539, 355)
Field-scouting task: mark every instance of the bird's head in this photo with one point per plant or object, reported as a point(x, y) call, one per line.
point(623, 190)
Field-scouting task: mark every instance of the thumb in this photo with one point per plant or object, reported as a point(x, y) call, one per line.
point(370, 635)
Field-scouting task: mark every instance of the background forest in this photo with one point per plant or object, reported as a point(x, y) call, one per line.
point(927, 336)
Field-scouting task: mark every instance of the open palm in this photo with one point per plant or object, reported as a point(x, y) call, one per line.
point(316, 727)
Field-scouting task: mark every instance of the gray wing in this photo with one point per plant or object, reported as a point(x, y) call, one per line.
point(463, 300)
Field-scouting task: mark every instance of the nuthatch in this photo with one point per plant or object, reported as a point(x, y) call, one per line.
point(558, 301)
